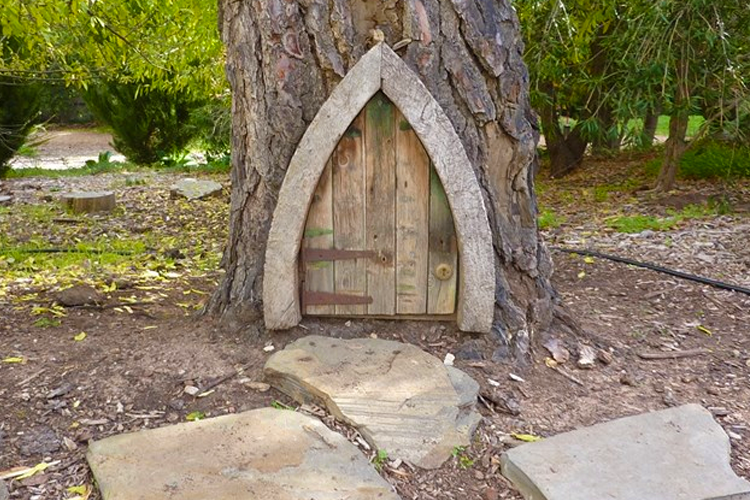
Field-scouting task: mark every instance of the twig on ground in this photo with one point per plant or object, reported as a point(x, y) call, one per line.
point(673, 355)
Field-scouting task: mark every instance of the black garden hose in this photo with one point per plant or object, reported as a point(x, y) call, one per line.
point(654, 267)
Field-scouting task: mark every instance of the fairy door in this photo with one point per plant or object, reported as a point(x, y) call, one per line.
point(379, 237)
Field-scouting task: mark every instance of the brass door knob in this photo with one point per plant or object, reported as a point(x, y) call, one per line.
point(443, 272)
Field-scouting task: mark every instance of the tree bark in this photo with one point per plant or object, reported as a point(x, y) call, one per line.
point(284, 57)
point(650, 123)
point(676, 145)
point(565, 149)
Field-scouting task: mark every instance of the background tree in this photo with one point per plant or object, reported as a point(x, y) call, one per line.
point(283, 59)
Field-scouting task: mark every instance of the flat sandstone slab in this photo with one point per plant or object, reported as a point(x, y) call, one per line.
point(675, 454)
point(401, 399)
point(264, 454)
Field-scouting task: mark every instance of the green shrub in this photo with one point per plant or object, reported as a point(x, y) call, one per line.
point(19, 108)
point(709, 160)
point(147, 123)
point(716, 159)
point(214, 123)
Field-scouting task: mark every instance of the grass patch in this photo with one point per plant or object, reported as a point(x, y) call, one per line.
point(549, 220)
point(633, 224)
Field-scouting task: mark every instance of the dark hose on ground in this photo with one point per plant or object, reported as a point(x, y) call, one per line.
point(654, 267)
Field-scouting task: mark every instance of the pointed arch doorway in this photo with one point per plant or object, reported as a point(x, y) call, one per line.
point(380, 70)
point(379, 238)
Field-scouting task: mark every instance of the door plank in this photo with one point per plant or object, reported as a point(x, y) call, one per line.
point(443, 254)
point(380, 201)
point(349, 214)
point(319, 234)
point(412, 219)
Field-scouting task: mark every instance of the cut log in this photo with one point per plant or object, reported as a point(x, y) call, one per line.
point(90, 201)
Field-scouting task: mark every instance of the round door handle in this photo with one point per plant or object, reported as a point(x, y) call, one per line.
point(443, 272)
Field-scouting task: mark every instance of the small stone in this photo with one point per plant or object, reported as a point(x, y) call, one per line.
point(258, 386)
point(469, 351)
point(60, 391)
point(736, 353)
point(714, 391)
point(449, 359)
point(172, 417)
point(269, 348)
point(586, 357)
point(478, 475)
point(39, 441)
point(687, 379)
point(628, 379)
point(193, 189)
point(79, 295)
point(177, 404)
point(734, 435)
point(604, 357)
point(490, 494)
point(747, 363)
point(668, 398)
point(557, 349)
point(69, 444)
point(191, 390)
point(5, 200)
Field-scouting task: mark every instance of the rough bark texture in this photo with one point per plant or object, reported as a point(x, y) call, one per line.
point(283, 59)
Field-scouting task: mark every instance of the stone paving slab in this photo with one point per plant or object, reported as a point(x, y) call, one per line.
point(675, 454)
point(264, 454)
point(401, 399)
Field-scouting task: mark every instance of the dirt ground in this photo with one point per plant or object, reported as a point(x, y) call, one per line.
point(145, 343)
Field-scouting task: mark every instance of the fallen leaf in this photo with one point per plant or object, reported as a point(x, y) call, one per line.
point(78, 490)
point(195, 416)
point(80, 337)
point(13, 359)
point(34, 470)
point(527, 438)
point(588, 260)
point(705, 330)
point(582, 274)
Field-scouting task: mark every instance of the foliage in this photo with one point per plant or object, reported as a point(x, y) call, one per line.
point(19, 104)
point(166, 44)
point(710, 159)
point(147, 123)
point(380, 459)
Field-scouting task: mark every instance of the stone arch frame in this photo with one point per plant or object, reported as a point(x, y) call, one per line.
point(381, 69)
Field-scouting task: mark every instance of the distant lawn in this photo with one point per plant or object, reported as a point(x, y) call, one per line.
point(662, 128)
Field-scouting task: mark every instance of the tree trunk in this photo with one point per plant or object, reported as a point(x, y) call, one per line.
point(650, 123)
point(565, 150)
point(673, 150)
point(676, 145)
point(284, 57)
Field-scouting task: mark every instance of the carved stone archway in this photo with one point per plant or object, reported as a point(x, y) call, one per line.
point(381, 69)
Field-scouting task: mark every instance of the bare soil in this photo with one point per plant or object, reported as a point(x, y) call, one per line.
point(131, 370)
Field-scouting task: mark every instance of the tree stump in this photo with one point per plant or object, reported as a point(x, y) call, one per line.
point(89, 201)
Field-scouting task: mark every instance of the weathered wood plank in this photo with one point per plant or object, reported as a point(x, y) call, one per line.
point(443, 256)
point(319, 234)
point(380, 227)
point(412, 210)
point(349, 213)
point(476, 308)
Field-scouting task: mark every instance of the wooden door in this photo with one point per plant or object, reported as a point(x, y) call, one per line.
point(379, 237)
